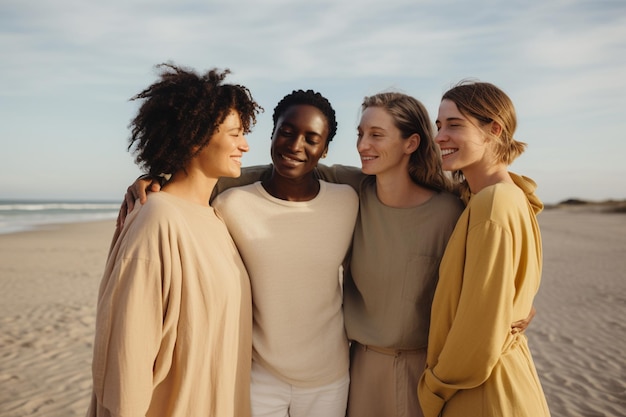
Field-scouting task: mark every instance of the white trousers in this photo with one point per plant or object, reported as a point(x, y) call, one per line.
point(272, 397)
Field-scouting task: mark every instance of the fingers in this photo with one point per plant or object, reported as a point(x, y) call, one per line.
point(141, 194)
point(137, 190)
point(125, 208)
point(129, 198)
point(517, 326)
point(140, 187)
point(521, 325)
point(155, 187)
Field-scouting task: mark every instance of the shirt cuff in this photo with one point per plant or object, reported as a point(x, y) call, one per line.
point(431, 403)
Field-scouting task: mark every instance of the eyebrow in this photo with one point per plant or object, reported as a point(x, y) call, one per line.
point(293, 126)
point(451, 119)
point(372, 127)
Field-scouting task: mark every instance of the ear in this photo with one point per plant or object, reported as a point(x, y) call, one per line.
point(325, 151)
point(412, 143)
point(496, 128)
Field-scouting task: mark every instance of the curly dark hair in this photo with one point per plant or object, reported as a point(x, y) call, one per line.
point(310, 98)
point(180, 114)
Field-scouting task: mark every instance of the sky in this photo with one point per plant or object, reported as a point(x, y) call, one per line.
point(69, 67)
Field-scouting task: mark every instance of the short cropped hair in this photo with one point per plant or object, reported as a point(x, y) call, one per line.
point(311, 98)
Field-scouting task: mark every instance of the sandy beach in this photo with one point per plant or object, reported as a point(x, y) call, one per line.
point(49, 280)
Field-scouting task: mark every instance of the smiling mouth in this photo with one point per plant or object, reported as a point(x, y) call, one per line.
point(447, 152)
point(290, 159)
point(368, 158)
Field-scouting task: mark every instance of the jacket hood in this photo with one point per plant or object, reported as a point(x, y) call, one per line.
point(528, 186)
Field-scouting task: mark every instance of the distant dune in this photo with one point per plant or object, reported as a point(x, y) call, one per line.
point(606, 206)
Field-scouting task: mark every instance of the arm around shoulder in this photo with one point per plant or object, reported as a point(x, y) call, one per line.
point(341, 174)
point(249, 175)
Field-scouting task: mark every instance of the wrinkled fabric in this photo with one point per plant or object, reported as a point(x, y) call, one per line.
point(489, 276)
point(174, 320)
point(294, 251)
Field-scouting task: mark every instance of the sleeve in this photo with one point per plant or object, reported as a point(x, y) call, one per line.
point(128, 337)
point(341, 174)
point(481, 324)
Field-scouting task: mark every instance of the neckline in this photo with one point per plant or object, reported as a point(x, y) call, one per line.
point(268, 187)
point(267, 195)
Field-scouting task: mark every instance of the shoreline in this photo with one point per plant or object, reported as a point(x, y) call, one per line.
point(18, 215)
point(53, 225)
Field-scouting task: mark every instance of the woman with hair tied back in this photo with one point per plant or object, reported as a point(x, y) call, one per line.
point(174, 317)
point(491, 268)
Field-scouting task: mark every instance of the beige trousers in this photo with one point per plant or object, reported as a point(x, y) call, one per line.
point(384, 382)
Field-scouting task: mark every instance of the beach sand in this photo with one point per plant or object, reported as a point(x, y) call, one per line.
point(50, 277)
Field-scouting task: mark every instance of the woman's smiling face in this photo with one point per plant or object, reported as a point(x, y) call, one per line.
point(300, 139)
point(463, 143)
point(380, 144)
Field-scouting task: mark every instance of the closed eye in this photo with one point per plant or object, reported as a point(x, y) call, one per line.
point(313, 140)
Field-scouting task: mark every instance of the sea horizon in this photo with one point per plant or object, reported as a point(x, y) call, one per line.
point(18, 215)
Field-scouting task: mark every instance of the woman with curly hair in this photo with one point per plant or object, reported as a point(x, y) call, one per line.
point(174, 320)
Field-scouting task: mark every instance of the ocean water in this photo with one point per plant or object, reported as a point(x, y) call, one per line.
point(20, 215)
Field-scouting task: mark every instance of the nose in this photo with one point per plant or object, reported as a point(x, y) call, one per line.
point(243, 145)
point(440, 137)
point(296, 143)
point(361, 144)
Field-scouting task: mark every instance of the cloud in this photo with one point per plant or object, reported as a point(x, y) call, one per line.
point(69, 67)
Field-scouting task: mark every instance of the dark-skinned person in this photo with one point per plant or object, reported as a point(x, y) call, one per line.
point(174, 320)
point(293, 232)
